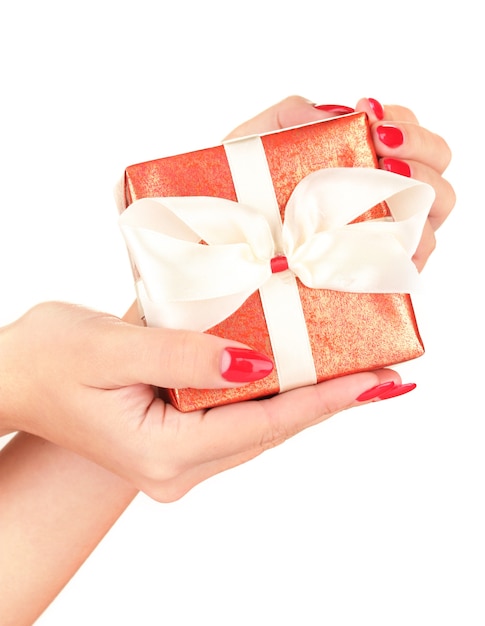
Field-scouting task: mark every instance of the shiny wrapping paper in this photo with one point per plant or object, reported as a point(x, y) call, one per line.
point(348, 332)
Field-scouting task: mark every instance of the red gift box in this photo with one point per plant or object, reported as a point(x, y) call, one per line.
point(343, 332)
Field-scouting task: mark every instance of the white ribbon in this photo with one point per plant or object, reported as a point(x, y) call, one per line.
point(185, 284)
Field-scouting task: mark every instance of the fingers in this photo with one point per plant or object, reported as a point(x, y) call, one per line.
point(174, 358)
point(397, 134)
point(423, 156)
point(406, 148)
point(404, 140)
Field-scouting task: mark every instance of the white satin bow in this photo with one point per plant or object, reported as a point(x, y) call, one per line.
point(184, 284)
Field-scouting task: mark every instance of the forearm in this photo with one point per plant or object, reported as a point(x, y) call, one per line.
point(55, 507)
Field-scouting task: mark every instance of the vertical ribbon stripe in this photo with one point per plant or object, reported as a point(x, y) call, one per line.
point(280, 297)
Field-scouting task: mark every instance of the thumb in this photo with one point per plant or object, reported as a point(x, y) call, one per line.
point(178, 358)
point(291, 111)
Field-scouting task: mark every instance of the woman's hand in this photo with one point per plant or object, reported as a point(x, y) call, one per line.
point(401, 144)
point(83, 380)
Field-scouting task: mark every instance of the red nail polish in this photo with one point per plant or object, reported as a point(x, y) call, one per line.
point(390, 136)
point(374, 392)
point(241, 365)
point(397, 166)
point(334, 109)
point(376, 107)
point(397, 390)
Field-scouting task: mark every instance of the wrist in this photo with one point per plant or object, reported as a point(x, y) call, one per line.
point(19, 369)
point(30, 370)
point(8, 422)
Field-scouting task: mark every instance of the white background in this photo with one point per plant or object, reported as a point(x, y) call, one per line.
point(374, 517)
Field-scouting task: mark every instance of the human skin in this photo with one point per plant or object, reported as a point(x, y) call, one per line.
point(78, 384)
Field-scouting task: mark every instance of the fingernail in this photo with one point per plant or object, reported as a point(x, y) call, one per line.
point(334, 109)
point(391, 136)
point(397, 390)
point(241, 365)
point(397, 166)
point(376, 107)
point(373, 392)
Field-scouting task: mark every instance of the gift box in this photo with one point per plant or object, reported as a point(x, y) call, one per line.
point(291, 242)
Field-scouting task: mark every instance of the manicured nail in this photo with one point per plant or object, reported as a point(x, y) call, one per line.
point(396, 165)
point(334, 109)
point(376, 107)
point(241, 365)
point(374, 392)
point(397, 390)
point(390, 136)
